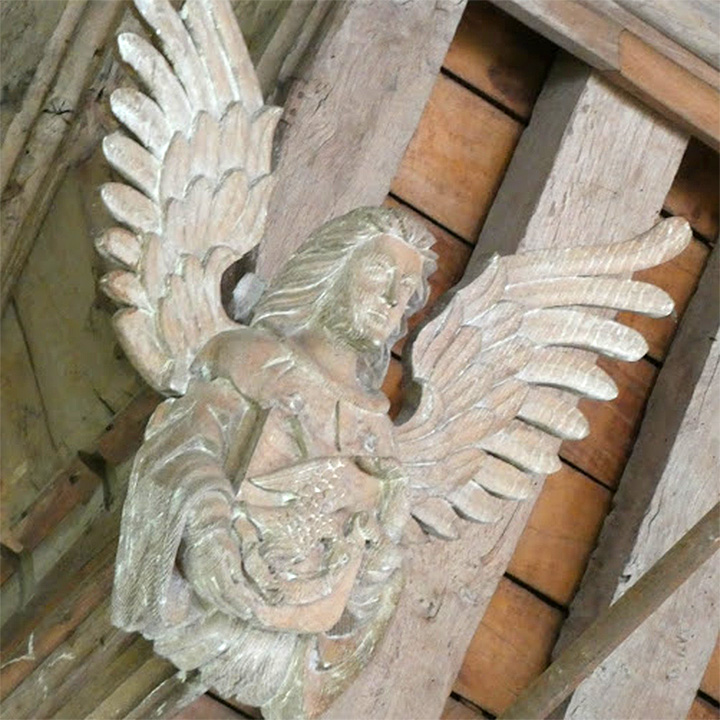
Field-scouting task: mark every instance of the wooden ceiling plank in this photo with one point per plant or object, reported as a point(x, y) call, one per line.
point(669, 482)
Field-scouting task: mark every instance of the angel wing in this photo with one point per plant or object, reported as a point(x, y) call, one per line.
point(501, 368)
point(198, 183)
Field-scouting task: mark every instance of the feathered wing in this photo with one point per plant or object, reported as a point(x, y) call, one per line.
point(501, 368)
point(197, 165)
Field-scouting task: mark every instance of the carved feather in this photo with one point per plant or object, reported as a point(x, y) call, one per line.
point(520, 343)
point(198, 178)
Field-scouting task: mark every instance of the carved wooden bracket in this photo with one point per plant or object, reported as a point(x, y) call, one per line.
point(263, 532)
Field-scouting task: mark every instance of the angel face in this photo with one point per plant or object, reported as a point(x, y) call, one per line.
point(383, 278)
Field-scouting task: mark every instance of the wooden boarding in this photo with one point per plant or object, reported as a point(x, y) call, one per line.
point(207, 708)
point(695, 26)
point(455, 710)
point(670, 482)
point(695, 193)
point(28, 454)
point(71, 347)
point(36, 137)
point(614, 424)
point(628, 52)
point(702, 710)
point(515, 637)
point(710, 684)
point(456, 183)
point(500, 71)
point(679, 278)
point(552, 553)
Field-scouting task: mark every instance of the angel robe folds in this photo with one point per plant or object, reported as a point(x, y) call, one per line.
point(258, 409)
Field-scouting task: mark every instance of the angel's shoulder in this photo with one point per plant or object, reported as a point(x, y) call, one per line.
point(246, 356)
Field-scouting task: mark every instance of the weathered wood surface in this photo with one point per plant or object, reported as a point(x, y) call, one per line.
point(28, 454)
point(670, 481)
point(694, 24)
point(678, 84)
point(710, 684)
point(701, 709)
point(455, 710)
point(351, 114)
point(632, 614)
point(206, 708)
point(579, 137)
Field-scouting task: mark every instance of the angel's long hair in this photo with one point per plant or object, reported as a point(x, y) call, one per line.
point(301, 293)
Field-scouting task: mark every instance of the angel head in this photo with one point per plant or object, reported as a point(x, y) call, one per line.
point(358, 278)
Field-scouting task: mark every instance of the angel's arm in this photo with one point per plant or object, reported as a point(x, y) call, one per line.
point(182, 488)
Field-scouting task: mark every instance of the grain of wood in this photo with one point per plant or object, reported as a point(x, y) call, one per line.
point(46, 556)
point(124, 435)
point(511, 647)
point(67, 668)
point(614, 12)
point(613, 425)
point(679, 278)
point(500, 57)
point(73, 486)
point(567, 185)
point(91, 647)
point(344, 151)
point(43, 629)
point(453, 168)
point(134, 689)
point(710, 684)
point(27, 453)
point(695, 192)
point(99, 686)
point(553, 551)
point(667, 485)
point(702, 710)
point(669, 89)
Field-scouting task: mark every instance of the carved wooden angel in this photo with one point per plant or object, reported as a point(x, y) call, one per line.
point(262, 534)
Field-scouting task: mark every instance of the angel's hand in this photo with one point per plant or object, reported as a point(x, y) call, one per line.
point(211, 559)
